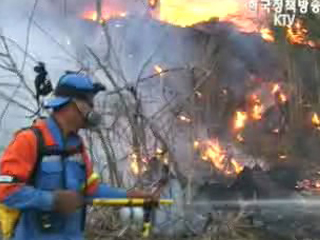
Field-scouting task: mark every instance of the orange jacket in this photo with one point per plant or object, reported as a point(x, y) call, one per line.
point(19, 158)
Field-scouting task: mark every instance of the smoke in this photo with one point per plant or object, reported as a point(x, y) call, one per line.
point(59, 37)
point(139, 43)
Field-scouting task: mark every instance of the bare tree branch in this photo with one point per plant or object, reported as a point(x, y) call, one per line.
point(19, 48)
point(19, 104)
point(19, 73)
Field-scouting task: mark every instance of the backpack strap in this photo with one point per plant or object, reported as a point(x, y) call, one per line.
point(40, 153)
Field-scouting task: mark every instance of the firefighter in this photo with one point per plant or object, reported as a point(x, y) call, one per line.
point(49, 193)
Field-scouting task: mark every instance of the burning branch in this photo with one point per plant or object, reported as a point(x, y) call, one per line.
point(222, 159)
point(257, 109)
point(159, 72)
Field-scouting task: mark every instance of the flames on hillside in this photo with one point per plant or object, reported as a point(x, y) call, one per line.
point(256, 107)
point(186, 13)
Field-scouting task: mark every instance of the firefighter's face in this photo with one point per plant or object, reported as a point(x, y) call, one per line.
point(86, 114)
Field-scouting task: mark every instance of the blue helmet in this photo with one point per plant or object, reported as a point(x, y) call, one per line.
point(73, 85)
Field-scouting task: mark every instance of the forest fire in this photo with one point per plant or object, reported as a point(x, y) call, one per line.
point(176, 71)
point(221, 159)
point(186, 13)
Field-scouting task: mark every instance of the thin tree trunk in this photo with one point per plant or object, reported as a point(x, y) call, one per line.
point(112, 169)
point(99, 12)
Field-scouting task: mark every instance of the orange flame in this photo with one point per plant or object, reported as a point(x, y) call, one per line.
point(237, 167)
point(213, 152)
point(216, 154)
point(257, 109)
point(90, 15)
point(277, 90)
point(240, 120)
point(297, 34)
point(186, 13)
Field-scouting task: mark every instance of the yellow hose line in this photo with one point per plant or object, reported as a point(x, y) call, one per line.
point(127, 202)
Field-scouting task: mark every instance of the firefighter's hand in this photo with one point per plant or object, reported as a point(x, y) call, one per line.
point(142, 194)
point(66, 201)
